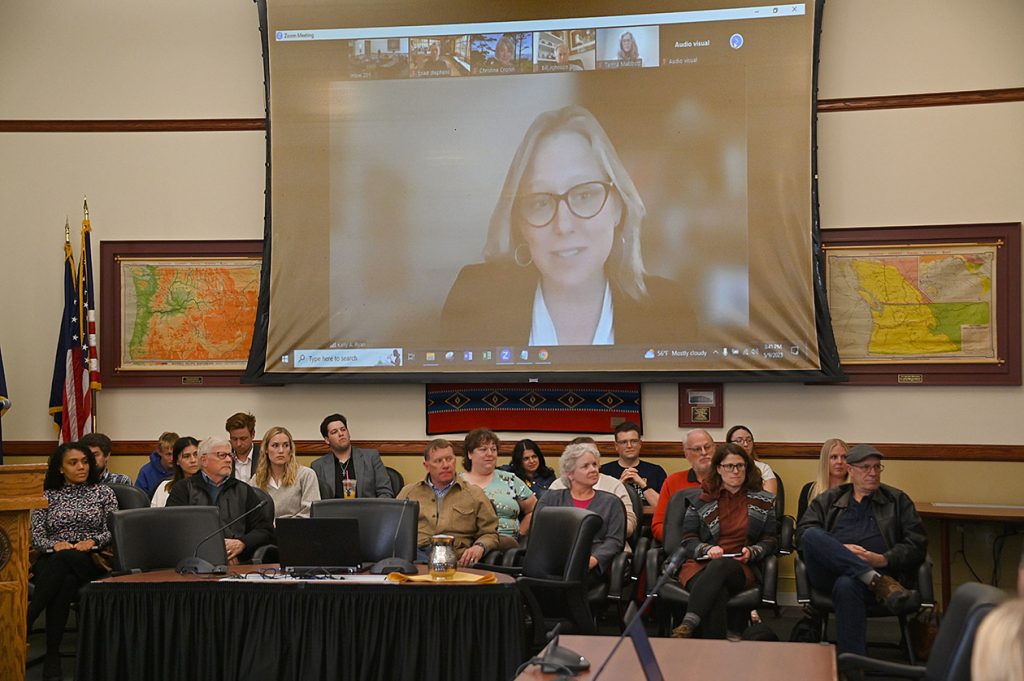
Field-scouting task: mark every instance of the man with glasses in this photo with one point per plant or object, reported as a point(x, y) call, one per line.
point(859, 541)
point(646, 478)
point(698, 448)
point(215, 486)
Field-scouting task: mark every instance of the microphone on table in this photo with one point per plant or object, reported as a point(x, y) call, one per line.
point(557, 658)
point(675, 561)
point(194, 565)
point(394, 563)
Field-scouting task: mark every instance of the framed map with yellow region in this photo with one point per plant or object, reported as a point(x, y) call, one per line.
point(935, 305)
point(177, 312)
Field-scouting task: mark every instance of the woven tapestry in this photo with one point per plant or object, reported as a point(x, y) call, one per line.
point(546, 408)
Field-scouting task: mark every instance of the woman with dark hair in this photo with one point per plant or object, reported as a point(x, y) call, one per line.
point(509, 495)
point(66, 533)
point(562, 258)
point(185, 456)
point(729, 529)
point(529, 466)
point(741, 435)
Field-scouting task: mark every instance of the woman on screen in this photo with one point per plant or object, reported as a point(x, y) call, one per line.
point(504, 51)
point(727, 532)
point(292, 487)
point(563, 263)
point(628, 50)
point(186, 464)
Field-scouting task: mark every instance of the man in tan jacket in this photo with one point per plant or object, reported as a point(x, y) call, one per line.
point(451, 506)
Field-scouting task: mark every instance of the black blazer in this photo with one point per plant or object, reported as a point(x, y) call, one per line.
point(255, 459)
point(492, 304)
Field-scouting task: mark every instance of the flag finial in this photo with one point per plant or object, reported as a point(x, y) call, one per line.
point(85, 206)
point(67, 230)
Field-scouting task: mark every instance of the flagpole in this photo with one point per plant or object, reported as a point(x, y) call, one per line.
point(87, 321)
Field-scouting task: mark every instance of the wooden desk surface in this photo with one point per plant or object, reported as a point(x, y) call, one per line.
point(979, 512)
point(700, 660)
point(170, 576)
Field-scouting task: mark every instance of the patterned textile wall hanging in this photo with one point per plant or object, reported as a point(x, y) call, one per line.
point(546, 408)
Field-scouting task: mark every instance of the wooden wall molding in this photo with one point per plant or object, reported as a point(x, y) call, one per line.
point(908, 101)
point(652, 449)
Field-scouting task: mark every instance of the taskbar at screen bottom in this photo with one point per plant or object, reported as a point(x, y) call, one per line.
point(762, 356)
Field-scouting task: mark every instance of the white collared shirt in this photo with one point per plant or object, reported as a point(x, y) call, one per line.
point(243, 469)
point(543, 330)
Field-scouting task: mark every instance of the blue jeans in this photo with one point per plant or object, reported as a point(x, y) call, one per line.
point(832, 568)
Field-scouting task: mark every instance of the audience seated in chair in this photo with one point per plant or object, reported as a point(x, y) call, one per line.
point(68, 533)
point(529, 466)
point(859, 541)
point(741, 435)
point(101, 448)
point(345, 462)
point(645, 477)
point(449, 505)
point(512, 498)
point(292, 487)
point(728, 532)
point(606, 483)
point(186, 464)
point(215, 486)
point(245, 454)
point(999, 644)
point(831, 473)
point(698, 448)
point(160, 466)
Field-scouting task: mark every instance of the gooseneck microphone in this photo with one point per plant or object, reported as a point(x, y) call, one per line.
point(194, 565)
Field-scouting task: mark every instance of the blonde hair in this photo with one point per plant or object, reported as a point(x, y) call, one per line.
point(624, 266)
point(821, 481)
point(291, 469)
point(999, 644)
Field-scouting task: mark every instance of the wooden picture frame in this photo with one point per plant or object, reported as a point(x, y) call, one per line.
point(201, 296)
point(701, 405)
point(918, 313)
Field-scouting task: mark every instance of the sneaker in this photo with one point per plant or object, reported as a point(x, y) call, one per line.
point(890, 593)
point(684, 630)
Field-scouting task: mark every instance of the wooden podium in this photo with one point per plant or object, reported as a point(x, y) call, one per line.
point(21, 490)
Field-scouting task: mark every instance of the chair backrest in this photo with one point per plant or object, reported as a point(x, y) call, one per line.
point(397, 480)
point(638, 511)
point(386, 526)
point(129, 496)
point(677, 505)
point(157, 538)
point(780, 498)
point(950, 658)
point(561, 539)
point(268, 513)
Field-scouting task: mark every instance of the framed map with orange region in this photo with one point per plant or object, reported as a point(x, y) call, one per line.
point(936, 305)
point(177, 313)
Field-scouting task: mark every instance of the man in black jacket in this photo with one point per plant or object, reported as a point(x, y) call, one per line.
point(214, 485)
point(858, 541)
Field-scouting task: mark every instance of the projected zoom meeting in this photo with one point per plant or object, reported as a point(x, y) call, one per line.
point(607, 198)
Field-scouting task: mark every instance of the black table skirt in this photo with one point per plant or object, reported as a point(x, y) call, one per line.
point(251, 631)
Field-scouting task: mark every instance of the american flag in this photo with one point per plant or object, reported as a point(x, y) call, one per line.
point(86, 303)
point(70, 395)
point(3, 396)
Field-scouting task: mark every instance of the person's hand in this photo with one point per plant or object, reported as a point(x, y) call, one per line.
point(630, 475)
point(234, 547)
point(85, 545)
point(63, 546)
point(593, 562)
point(745, 557)
point(715, 552)
point(471, 555)
point(875, 560)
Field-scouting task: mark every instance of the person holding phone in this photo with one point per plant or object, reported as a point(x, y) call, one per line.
point(727, 533)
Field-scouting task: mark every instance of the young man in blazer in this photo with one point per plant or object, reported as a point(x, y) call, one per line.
point(345, 462)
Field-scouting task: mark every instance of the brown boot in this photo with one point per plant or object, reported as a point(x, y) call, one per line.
point(890, 593)
point(684, 630)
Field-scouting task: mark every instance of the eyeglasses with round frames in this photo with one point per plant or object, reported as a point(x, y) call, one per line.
point(584, 200)
point(868, 467)
point(733, 467)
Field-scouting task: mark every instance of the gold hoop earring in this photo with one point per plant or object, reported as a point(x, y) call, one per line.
point(518, 259)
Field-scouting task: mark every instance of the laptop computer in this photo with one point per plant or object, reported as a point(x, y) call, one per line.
point(318, 545)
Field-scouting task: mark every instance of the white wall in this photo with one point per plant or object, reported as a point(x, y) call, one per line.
point(201, 59)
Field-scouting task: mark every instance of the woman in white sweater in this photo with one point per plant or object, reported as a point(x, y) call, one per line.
point(292, 487)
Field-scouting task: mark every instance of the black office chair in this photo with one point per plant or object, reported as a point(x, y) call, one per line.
point(922, 596)
point(387, 527)
point(129, 496)
point(268, 552)
point(950, 659)
point(673, 597)
point(396, 478)
point(157, 538)
point(780, 500)
point(555, 570)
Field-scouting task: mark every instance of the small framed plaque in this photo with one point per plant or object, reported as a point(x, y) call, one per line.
point(701, 405)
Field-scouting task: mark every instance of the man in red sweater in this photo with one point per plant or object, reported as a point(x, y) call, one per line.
point(698, 447)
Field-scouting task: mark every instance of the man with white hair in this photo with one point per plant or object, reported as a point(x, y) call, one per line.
point(215, 486)
point(698, 448)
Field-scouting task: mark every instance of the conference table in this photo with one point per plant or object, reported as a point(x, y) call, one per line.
point(944, 512)
point(247, 626)
point(701, 660)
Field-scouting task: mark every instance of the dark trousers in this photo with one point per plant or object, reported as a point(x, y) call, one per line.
point(57, 578)
point(832, 568)
point(710, 591)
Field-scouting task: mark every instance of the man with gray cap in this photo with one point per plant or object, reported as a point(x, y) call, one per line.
point(859, 541)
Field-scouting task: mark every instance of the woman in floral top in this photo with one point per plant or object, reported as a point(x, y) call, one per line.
point(66, 533)
point(509, 495)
